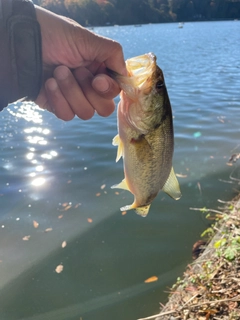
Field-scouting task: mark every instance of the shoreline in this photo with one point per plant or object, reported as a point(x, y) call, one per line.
point(210, 286)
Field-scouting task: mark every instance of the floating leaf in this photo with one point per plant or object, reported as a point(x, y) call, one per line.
point(151, 279)
point(179, 175)
point(26, 238)
point(60, 217)
point(64, 244)
point(117, 193)
point(48, 229)
point(35, 224)
point(59, 268)
point(65, 204)
point(103, 186)
point(89, 220)
point(123, 213)
point(66, 208)
point(98, 194)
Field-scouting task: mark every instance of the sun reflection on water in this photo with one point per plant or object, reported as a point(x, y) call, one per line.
point(28, 111)
point(38, 181)
point(38, 135)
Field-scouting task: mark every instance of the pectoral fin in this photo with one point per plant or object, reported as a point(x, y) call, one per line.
point(117, 142)
point(171, 186)
point(121, 185)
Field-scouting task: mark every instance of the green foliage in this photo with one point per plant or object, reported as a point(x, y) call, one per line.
point(208, 232)
point(104, 12)
point(228, 247)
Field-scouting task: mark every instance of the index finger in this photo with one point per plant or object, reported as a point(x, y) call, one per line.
point(115, 61)
point(109, 53)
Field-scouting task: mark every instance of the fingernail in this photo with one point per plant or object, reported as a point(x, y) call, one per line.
point(51, 84)
point(101, 84)
point(61, 73)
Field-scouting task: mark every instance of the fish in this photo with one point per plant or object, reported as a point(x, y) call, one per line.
point(145, 138)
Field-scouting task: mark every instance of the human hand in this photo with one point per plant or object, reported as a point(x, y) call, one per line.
point(74, 68)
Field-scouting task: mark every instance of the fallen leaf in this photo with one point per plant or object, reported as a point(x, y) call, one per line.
point(103, 186)
point(65, 204)
point(60, 217)
point(98, 194)
point(35, 224)
point(89, 220)
point(151, 279)
point(59, 268)
point(123, 213)
point(26, 238)
point(48, 229)
point(117, 193)
point(66, 208)
point(64, 244)
point(179, 175)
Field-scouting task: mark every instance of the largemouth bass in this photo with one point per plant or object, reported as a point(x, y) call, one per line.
point(145, 133)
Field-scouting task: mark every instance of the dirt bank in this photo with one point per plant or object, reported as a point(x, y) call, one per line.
point(210, 287)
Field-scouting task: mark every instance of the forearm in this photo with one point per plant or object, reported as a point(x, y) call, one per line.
point(20, 52)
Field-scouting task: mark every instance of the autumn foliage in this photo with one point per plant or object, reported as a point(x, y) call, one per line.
point(111, 12)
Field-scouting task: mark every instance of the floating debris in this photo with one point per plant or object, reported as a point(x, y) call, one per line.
point(98, 194)
point(48, 229)
point(151, 279)
point(179, 175)
point(66, 206)
point(89, 220)
point(26, 238)
point(59, 268)
point(64, 244)
point(35, 224)
point(103, 186)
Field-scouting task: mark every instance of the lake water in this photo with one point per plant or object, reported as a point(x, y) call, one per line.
point(57, 208)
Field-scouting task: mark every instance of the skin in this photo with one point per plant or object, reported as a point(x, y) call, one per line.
point(74, 69)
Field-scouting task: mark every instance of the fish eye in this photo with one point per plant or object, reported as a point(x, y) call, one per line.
point(159, 84)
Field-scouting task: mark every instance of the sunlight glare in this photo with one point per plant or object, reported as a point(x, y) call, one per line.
point(38, 182)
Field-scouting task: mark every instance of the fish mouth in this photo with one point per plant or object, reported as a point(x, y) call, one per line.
point(142, 68)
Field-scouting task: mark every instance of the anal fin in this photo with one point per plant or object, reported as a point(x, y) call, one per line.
point(171, 186)
point(121, 185)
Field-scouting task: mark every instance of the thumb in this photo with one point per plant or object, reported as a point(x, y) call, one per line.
point(105, 86)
